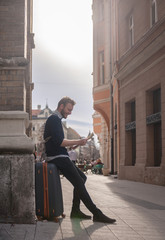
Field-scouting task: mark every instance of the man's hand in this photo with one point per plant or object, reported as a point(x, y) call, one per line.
point(83, 141)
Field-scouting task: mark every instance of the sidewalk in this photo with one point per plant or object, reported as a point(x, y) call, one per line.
point(138, 208)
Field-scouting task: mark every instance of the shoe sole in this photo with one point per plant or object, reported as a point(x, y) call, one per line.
point(81, 217)
point(111, 222)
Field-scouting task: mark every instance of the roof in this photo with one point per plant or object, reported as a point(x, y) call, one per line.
point(36, 112)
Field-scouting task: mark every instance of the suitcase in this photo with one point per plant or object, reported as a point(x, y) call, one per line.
point(48, 193)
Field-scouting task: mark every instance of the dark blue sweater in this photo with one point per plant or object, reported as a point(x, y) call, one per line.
point(53, 128)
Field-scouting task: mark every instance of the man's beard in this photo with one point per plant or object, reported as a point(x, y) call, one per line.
point(62, 113)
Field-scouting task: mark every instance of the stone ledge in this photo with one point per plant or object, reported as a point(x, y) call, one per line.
point(13, 115)
point(13, 138)
point(16, 144)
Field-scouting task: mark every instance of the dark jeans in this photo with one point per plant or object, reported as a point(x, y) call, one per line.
point(78, 179)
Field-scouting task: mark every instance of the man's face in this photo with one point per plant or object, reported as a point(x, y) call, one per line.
point(66, 110)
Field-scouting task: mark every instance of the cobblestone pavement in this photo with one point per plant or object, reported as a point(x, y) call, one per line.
point(138, 208)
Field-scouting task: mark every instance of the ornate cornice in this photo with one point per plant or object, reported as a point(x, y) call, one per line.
point(101, 88)
point(146, 47)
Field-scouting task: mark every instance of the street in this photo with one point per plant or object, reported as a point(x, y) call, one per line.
point(138, 208)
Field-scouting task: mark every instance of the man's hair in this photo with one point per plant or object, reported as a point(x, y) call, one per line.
point(66, 100)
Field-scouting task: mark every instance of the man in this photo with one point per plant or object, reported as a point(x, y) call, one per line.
point(57, 153)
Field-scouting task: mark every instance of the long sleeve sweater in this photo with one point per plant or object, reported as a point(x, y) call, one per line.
point(53, 128)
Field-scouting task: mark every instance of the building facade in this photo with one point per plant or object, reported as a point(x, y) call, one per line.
point(17, 203)
point(101, 80)
point(129, 62)
point(16, 43)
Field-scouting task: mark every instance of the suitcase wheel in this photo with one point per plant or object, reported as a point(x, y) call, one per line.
point(38, 210)
point(40, 218)
point(55, 219)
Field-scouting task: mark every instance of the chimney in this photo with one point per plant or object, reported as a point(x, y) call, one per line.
point(39, 107)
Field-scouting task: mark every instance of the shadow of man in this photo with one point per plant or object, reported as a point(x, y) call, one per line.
point(82, 232)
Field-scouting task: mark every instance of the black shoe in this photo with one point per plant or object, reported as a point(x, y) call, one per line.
point(79, 214)
point(102, 218)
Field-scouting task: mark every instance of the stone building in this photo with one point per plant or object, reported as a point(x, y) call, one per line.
point(16, 148)
point(39, 117)
point(16, 43)
point(129, 86)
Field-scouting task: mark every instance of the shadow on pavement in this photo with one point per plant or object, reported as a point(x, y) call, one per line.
point(82, 230)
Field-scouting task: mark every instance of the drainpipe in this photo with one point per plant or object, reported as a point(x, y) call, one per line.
point(111, 131)
point(111, 105)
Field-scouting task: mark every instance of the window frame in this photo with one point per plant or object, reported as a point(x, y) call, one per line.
point(131, 31)
point(101, 68)
point(153, 9)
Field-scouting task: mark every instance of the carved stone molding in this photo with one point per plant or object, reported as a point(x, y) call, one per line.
point(31, 37)
point(13, 138)
point(13, 61)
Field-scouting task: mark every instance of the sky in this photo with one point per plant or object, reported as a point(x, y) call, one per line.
point(63, 58)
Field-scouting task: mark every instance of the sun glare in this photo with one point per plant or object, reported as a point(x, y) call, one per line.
point(65, 31)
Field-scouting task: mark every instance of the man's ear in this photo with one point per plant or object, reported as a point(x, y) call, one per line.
point(61, 107)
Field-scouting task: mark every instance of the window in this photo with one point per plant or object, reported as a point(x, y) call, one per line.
point(133, 133)
point(46, 115)
point(130, 127)
point(156, 101)
point(131, 31)
point(133, 113)
point(153, 12)
point(101, 68)
point(154, 129)
point(157, 128)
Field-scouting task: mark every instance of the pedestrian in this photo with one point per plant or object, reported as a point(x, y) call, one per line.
point(57, 153)
point(73, 155)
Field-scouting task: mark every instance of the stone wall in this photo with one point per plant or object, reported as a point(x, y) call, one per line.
point(17, 199)
point(16, 159)
point(17, 188)
point(12, 88)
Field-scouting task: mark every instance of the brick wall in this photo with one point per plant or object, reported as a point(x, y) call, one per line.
point(16, 55)
point(11, 28)
point(12, 87)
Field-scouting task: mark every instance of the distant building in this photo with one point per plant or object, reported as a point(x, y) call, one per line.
point(39, 117)
point(129, 87)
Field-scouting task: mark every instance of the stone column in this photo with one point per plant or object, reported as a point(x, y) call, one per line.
point(17, 196)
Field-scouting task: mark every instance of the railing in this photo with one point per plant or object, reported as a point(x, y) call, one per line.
point(154, 118)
